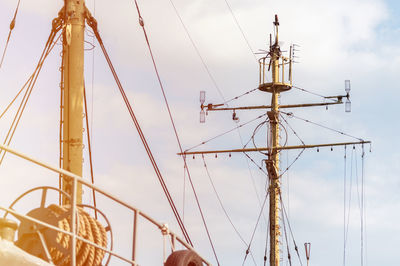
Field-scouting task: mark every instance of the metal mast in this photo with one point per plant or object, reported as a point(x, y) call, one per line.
point(72, 93)
point(281, 82)
point(273, 156)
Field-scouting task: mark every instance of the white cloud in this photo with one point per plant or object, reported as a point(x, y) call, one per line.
point(339, 40)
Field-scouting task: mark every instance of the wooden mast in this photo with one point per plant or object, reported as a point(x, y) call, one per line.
point(72, 107)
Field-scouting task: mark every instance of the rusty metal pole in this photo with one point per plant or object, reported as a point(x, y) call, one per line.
point(274, 156)
point(73, 54)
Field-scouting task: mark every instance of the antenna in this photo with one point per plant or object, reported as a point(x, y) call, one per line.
point(276, 22)
point(202, 100)
point(347, 88)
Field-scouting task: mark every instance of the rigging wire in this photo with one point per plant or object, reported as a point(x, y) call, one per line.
point(288, 184)
point(344, 205)
point(16, 96)
point(92, 23)
point(251, 173)
point(248, 158)
point(291, 128)
point(93, 75)
point(241, 95)
point(141, 22)
point(299, 154)
point(226, 132)
point(313, 93)
point(12, 26)
point(197, 51)
point(363, 213)
point(255, 228)
point(60, 157)
point(286, 238)
point(220, 201)
point(184, 193)
point(31, 83)
point(290, 229)
point(258, 127)
point(348, 206)
point(266, 247)
point(222, 205)
point(241, 30)
point(320, 125)
point(90, 152)
point(256, 164)
point(360, 204)
point(209, 72)
point(349, 198)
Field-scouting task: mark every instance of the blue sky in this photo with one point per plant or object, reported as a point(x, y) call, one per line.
point(356, 40)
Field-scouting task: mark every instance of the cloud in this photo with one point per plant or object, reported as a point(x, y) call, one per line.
point(339, 40)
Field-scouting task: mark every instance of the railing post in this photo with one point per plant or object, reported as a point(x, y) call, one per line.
point(135, 223)
point(173, 238)
point(73, 221)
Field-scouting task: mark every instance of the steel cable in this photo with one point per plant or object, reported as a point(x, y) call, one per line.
point(290, 229)
point(93, 24)
point(12, 25)
point(31, 83)
point(314, 123)
point(241, 30)
point(90, 152)
point(226, 132)
point(255, 228)
point(222, 205)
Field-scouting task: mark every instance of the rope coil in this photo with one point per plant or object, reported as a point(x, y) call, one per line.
point(59, 244)
point(89, 228)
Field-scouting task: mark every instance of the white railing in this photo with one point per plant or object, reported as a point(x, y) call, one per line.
point(77, 179)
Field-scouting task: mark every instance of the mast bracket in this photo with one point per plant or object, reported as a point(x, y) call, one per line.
point(271, 169)
point(272, 115)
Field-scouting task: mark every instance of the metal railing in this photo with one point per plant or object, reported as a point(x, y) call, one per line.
point(73, 233)
point(265, 66)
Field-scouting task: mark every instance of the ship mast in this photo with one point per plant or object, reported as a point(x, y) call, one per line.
point(273, 156)
point(281, 82)
point(72, 93)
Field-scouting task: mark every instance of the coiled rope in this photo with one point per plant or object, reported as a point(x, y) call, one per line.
point(87, 227)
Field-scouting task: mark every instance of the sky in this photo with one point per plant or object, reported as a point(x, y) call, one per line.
point(338, 40)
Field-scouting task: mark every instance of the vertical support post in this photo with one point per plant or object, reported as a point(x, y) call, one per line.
point(135, 223)
point(263, 69)
point(290, 64)
point(274, 189)
point(73, 221)
point(173, 240)
point(73, 54)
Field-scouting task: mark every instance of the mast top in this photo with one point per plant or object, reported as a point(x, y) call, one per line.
point(281, 81)
point(276, 22)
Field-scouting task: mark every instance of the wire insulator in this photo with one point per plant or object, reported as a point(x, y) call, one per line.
point(141, 21)
point(12, 24)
